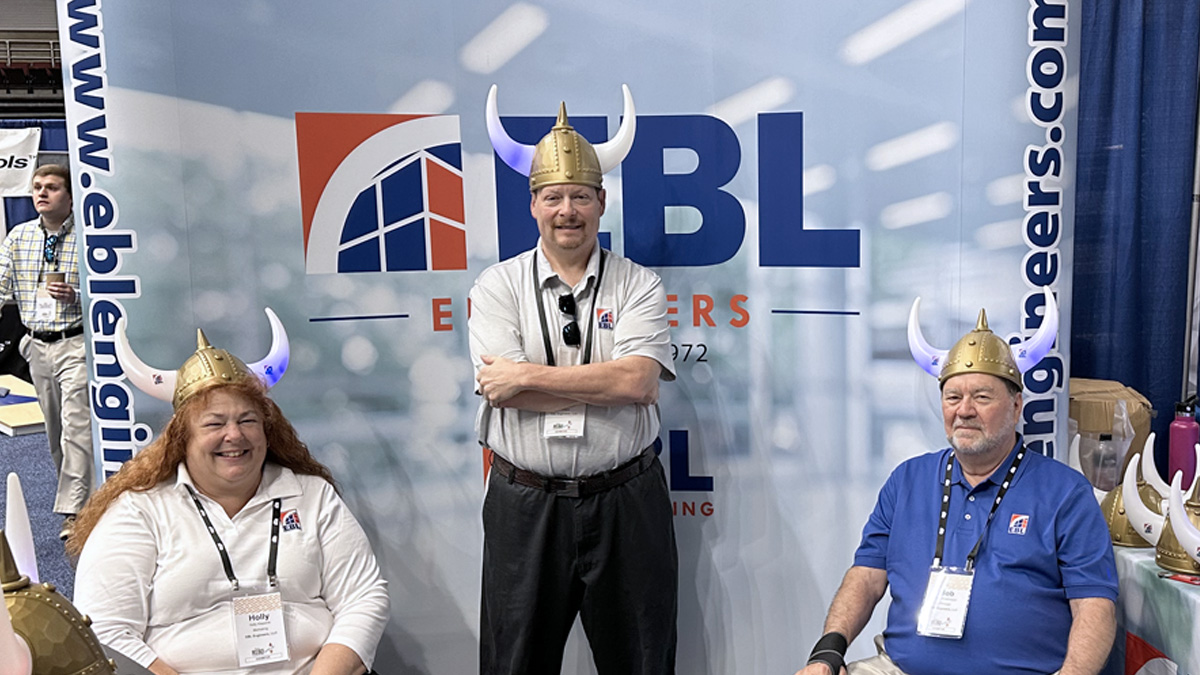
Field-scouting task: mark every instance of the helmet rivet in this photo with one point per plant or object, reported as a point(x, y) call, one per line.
point(969, 364)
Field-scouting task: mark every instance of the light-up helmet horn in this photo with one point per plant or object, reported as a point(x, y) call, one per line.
point(207, 367)
point(563, 156)
point(981, 350)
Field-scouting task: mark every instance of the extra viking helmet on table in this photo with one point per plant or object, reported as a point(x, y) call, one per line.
point(208, 367)
point(563, 156)
point(1181, 535)
point(41, 632)
point(981, 350)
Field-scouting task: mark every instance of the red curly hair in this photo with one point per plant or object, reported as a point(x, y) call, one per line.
point(160, 460)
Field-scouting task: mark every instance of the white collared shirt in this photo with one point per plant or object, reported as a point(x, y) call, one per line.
point(151, 579)
point(630, 319)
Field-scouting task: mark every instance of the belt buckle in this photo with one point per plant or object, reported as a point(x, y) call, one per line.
point(570, 488)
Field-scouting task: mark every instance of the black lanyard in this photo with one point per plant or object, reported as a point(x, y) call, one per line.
point(591, 319)
point(941, 538)
point(272, 579)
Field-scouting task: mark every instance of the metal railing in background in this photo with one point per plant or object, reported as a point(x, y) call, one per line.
point(25, 51)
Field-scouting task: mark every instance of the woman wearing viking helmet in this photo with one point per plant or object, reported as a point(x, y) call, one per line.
point(223, 546)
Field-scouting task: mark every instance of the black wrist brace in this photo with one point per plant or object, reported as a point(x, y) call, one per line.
point(830, 650)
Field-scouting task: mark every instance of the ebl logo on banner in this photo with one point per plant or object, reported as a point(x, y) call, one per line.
point(381, 193)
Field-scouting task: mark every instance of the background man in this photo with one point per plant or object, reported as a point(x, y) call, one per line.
point(39, 267)
point(569, 342)
point(1042, 584)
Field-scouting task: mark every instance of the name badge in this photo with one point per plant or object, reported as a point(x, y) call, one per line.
point(564, 423)
point(258, 626)
point(944, 609)
point(43, 304)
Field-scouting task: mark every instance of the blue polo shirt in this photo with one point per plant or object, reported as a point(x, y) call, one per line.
point(1047, 544)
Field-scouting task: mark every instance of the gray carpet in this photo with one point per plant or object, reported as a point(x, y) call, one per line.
point(29, 457)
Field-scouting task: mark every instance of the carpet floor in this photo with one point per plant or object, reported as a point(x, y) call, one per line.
point(29, 457)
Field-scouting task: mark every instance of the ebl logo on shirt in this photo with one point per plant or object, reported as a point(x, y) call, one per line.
point(1018, 524)
point(606, 318)
point(290, 520)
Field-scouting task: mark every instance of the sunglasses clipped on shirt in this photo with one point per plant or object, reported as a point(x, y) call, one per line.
point(50, 250)
point(570, 332)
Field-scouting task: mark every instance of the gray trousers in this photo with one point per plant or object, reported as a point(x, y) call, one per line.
point(59, 373)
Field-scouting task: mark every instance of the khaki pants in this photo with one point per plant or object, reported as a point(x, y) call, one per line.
point(59, 373)
point(878, 665)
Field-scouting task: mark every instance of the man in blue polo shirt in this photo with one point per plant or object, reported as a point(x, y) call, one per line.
point(998, 559)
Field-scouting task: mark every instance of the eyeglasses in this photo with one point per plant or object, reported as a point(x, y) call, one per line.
point(51, 244)
point(570, 332)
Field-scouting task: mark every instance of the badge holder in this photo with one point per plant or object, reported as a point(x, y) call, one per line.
point(944, 609)
point(43, 304)
point(564, 423)
point(258, 628)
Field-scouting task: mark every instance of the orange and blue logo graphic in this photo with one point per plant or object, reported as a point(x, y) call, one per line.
point(381, 193)
point(606, 318)
point(1018, 524)
point(290, 520)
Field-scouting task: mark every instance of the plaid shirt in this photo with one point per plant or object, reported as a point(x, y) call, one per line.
point(23, 265)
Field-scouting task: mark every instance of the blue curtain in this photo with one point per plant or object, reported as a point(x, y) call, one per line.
point(1137, 143)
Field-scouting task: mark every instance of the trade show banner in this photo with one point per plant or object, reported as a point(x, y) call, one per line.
point(18, 159)
point(802, 171)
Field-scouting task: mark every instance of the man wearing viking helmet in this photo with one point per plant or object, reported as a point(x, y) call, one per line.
point(998, 559)
point(569, 342)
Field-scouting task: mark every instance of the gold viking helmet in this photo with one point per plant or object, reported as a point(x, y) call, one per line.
point(1178, 549)
point(563, 156)
point(206, 368)
point(1137, 506)
point(1132, 522)
point(981, 351)
point(59, 639)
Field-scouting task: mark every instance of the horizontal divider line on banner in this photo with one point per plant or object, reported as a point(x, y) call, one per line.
point(835, 312)
point(361, 317)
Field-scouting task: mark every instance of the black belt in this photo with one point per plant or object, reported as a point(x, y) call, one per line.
point(576, 487)
point(56, 335)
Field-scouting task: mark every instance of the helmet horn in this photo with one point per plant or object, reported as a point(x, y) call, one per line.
point(158, 383)
point(518, 156)
point(611, 153)
point(1028, 353)
point(1145, 521)
point(1150, 470)
point(930, 359)
point(1181, 525)
point(273, 365)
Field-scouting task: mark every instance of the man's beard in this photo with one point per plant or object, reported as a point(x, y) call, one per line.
point(987, 443)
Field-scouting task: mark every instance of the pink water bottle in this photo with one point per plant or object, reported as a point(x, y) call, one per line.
point(1182, 445)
